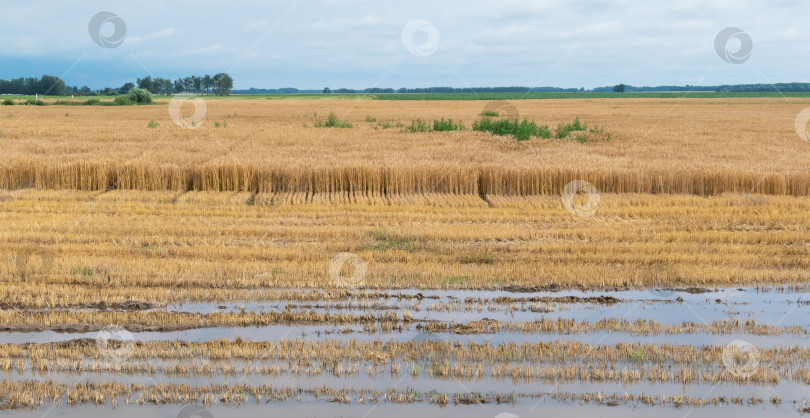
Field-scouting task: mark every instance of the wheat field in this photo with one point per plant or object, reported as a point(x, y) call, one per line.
point(691, 146)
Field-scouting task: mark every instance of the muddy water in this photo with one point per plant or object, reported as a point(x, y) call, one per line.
point(775, 307)
point(532, 408)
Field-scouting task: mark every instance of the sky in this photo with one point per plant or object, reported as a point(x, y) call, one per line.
point(312, 44)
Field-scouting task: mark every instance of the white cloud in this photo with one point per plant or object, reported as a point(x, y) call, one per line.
point(790, 33)
point(206, 50)
point(165, 33)
point(257, 27)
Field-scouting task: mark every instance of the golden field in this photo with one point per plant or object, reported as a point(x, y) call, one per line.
point(68, 248)
point(694, 146)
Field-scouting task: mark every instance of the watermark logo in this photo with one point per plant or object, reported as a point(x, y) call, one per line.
point(195, 120)
point(741, 358)
point(800, 124)
point(115, 343)
point(119, 30)
point(577, 188)
point(34, 262)
point(190, 411)
point(420, 38)
point(730, 55)
point(501, 108)
point(356, 279)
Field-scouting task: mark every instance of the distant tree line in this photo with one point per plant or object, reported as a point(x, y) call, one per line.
point(786, 87)
point(220, 84)
point(378, 90)
point(732, 88)
point(513, 89)
point(48, 84)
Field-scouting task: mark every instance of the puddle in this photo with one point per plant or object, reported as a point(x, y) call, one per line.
point(775, 307)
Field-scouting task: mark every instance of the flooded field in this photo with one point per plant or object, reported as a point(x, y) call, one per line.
point(487, 352)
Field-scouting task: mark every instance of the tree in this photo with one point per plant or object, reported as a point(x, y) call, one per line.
point(619, 88)
point(146, 83)
point(223, 83)
point(51, 85)
point(206, 83)
point(326, 90)
point(126, 88)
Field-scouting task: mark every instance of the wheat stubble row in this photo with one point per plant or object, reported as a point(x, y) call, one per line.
point(64, 248)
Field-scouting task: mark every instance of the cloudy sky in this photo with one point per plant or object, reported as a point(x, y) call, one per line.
point(387, 43)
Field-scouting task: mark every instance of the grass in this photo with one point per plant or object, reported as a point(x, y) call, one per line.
point(83, 271)
point(332, 121)
point(152, 124)
point(478, 258)
point(447, 125)
point(564, 130)
point(391, 124)
point(521, 131)
point(439, 125)
point(387, 241)
point(418, 125)
point(489, 113)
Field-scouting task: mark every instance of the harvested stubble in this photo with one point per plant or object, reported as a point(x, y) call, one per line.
point(689, 146)
point(33, 393)
point(70, 321)
point(547, 362)
point(74, 248)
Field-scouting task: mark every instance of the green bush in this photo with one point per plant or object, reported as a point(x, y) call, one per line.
point(35, 102)
point(92, 102)
point(140, 96)
point(447, 125)
point(418, 126)
point(521, 131)
point(564, 130)
point(122, 101)
point(491, 113)
point(8, 102)
point(332, 121)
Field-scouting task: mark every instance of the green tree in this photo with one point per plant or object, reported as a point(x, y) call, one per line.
point(126, 88)
point(619, 88)
point(223, 83)
point(147, 83)
point(51, 85)
point(206, 83)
